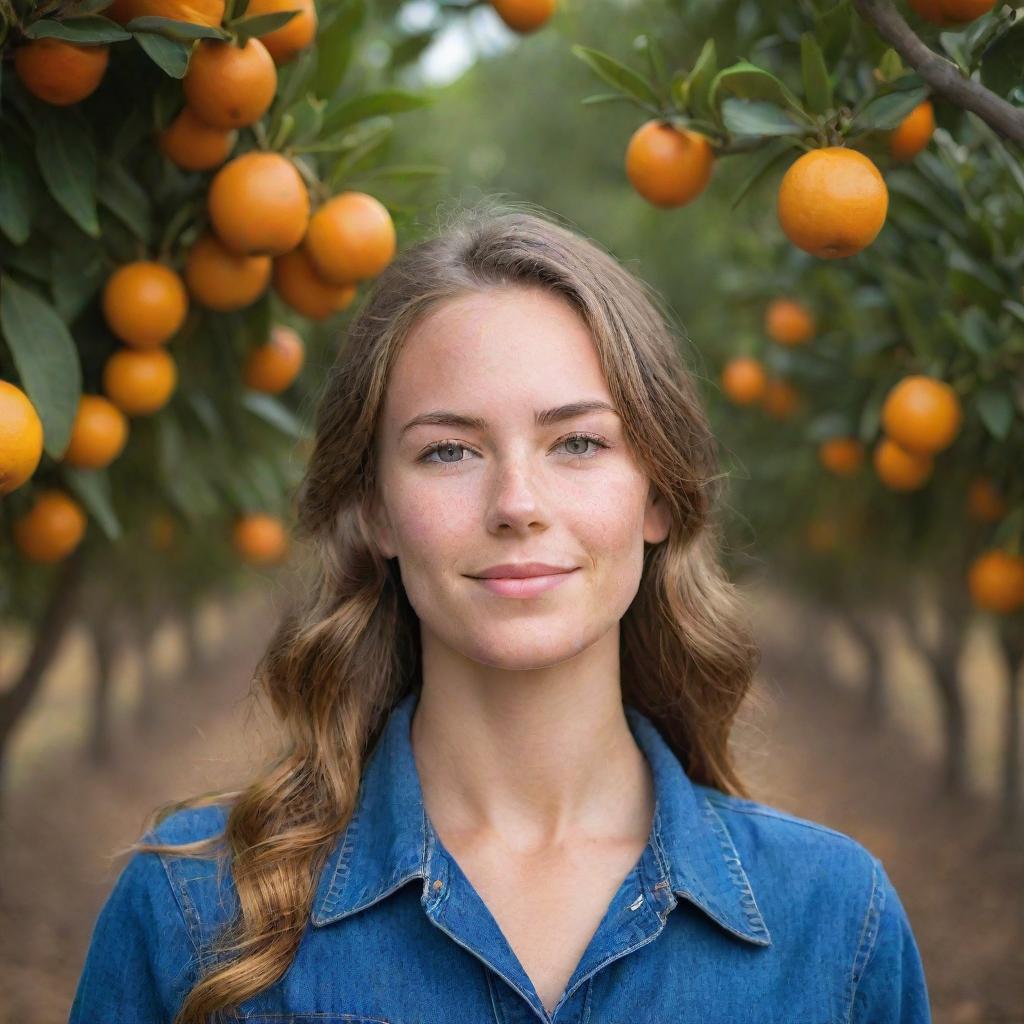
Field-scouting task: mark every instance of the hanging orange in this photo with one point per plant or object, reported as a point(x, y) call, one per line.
point(996, 581)
point(922, 414)
point(98, 435)
point(51, 529)
point(298, 284)
point(524, 15)
point(286, 42)
point(842, 456)
point(789, 322)
point(260, 538)
point(230, 86)
point(744, 380)
point(224, 280)
point(668, 166)
point(193, 145)
point(140, 381)
point(350, 238)
point(21, 437)
point(272, 366)
point(59, 72)
point(144, 303)
point(985, 504)
point(899, 469)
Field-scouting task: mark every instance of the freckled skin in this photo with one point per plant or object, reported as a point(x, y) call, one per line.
point(519, 493)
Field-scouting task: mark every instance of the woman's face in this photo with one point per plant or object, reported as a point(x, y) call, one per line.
point(509, 489)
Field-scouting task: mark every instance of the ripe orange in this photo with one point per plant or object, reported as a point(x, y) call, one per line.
point(140, 381)
point(524, 15)
point(98, 434)
point(230, 86)
point(899, 469)
point(198, 12)
point(922, 414)
point(668, 166)
point(260, 538)
point(224, 280)
point(951, 12)
point(841, 455)
point(193, 145)
point(913, 133)
point(984, 502)
point(780, 399)
point(789, 322)
point(144, 303)
point(259, 204)
point(58, 72)
point(996, 581)
point(744, 380)
point(272, 366)
point(21, 437)
point(293, 36)
point(298, 284)
point(350, 237)
point(832, 202)
point(51, 529)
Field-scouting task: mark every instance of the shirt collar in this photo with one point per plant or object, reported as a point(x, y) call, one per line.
point(386, 842)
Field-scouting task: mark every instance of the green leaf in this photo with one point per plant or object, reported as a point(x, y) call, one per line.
point(770, 155)
point(606, 97)
point(1002, 63)
point(749, 82)
point(92, 488)
point(172, 28)
point(368, 143)
point(89, 29)
point(17, 192)
point(833, 30)
point(374, 104)
point(294, 77)
point(885, 112)
point(748, 117)
point(66, 156)
point(121, 193)
point(698, 81)
point(170, 55)
point(261, 24)
point(46, 360)
point(272, 411)
point(617, 75)
point(817, 84)
point(337, 39)
point(995, 407)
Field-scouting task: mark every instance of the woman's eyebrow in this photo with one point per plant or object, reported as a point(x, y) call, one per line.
point(447, 418)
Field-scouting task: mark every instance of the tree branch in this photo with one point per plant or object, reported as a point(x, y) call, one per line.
point(942, 75)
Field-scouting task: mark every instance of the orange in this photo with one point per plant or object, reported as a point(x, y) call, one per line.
point(98, 434)
point(51, 529)
point(832, 202)
point(789, 322)
point(193, 145)
point(744, 380)
point(841, 455)
point(922, 414)
point(984, 502)
point(224, 280)
point(913, 133)
point(21, 437)
point(230, 86)
point(258, 204)
point(140, 381)
point(59, 72)
point(780, 399)
point(298, 284)
point(951, 12)
point(524, 15)
point(272, 366)
point(144, 303)
point(260, 538)
point(668, 166)
point(198, 12)
point(350, 237)
point(899, 469)
point(293, 36)
point(996, 581)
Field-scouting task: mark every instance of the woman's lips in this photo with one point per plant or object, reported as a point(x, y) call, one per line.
point(528, 586)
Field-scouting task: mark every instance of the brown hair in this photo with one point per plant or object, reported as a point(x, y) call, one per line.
point(338, 664)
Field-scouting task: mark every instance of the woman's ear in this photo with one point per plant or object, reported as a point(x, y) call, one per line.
point(657, 517)
point(378, 526)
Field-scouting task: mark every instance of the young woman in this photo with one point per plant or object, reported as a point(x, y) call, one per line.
point(505, 792)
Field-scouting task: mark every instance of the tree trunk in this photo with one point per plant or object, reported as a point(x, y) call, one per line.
point(1011, 639)
point(860, 628)
point(104, 647)
point(147, 711)
point(53, 625)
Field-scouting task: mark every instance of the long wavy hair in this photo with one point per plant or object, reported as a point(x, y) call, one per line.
point(348, 649)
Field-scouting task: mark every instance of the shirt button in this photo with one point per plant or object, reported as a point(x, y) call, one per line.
point(437, 884)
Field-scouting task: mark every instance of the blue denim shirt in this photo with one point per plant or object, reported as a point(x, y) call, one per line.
point(735, 913)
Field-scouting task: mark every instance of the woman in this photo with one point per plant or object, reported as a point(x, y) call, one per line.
point(506, 792)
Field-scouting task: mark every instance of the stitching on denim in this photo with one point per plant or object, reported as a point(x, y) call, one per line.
point(748, 807)
point(732, 859)
point(334, 891)
point(868, 936)
point(180, 895)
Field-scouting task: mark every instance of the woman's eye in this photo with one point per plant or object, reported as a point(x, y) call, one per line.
point(573, 442)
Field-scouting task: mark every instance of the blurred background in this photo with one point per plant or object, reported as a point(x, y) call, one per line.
point(869, 402)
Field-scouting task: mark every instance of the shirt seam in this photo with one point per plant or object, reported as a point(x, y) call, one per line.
point(179, 895)
point(730, 805)
point(868, 941)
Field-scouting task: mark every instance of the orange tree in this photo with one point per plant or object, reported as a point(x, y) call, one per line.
point(191, 191)
point(871, 357)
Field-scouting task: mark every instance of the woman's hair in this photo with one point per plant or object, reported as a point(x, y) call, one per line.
point(338, 664)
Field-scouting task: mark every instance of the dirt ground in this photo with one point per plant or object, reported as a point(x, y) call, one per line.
point(804, 753)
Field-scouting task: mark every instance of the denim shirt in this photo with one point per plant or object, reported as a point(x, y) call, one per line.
point(735, 913)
